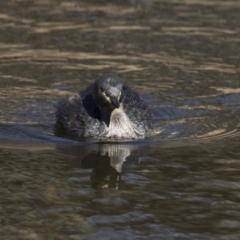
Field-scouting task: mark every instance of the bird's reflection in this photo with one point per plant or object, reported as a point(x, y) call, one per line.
point(104, 175)
point(106, 161)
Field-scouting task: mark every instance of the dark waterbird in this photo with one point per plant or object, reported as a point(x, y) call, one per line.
point(105, 109)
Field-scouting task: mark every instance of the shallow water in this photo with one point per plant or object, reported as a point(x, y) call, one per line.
point(183, 58)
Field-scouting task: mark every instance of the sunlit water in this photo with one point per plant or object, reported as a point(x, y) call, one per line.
point(183, 58)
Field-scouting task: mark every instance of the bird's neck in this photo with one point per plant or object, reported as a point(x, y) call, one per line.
point(106, 114)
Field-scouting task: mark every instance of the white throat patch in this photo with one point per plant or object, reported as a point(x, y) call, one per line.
point(120, 125)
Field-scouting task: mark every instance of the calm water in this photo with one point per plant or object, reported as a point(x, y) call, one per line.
point(183, 58)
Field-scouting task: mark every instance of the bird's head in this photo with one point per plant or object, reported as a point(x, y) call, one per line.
point(106, 91)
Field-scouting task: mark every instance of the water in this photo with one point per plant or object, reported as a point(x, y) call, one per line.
point(183, 58)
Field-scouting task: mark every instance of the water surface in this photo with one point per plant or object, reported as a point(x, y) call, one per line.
point(183, 58)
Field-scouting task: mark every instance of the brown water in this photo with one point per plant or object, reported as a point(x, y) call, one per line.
point(183, 58)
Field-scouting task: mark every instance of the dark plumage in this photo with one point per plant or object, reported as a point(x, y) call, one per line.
point(105, 109)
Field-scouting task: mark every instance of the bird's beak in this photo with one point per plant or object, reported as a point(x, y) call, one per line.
point(115, 102)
